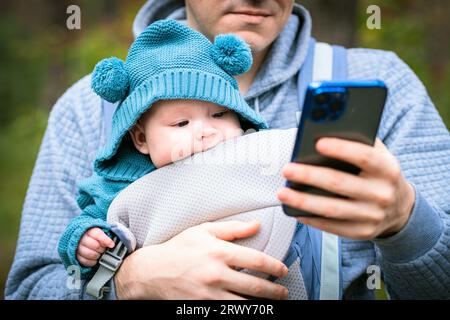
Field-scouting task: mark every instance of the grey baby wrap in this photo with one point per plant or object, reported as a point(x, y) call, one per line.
point(236, 180)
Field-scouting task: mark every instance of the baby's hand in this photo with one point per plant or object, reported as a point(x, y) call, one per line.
point(93, 243)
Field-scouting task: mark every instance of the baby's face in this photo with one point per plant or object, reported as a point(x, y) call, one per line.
point(175, 129)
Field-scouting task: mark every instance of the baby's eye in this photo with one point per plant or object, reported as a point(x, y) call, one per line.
point(219, 114)
point(182, 123)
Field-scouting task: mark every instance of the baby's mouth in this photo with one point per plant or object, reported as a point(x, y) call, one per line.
point(207, 145)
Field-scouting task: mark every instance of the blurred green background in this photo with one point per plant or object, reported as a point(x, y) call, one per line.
point(40, 58)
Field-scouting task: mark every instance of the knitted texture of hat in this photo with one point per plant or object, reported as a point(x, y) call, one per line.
point(169, 45)
point(168, 60)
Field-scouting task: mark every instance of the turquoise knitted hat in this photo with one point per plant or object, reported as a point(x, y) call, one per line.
point(168, 60)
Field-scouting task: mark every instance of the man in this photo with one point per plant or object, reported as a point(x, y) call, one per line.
point(399, 204)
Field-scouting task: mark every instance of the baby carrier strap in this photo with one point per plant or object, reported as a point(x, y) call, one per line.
point(321, 258)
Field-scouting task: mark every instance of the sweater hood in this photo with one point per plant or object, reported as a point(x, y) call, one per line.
point(284, 59)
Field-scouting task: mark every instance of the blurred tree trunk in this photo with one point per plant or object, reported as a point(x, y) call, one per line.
point(334, 21)
point(437, 13)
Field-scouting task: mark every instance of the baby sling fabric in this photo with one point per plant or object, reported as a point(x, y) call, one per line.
point(312, 256)
point(236, 180)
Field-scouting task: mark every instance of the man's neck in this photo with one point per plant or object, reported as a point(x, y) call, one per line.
point(245, 81)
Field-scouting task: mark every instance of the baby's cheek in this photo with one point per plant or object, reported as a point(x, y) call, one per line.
point(158, 154)
point(231, 131)
point(161, 156)
point(177, 147)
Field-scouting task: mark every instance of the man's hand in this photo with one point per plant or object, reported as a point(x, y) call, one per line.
point(200, 263)
point(379, 202)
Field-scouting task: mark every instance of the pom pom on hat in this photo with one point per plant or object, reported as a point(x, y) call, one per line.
point(232, 54)
point(110, 79)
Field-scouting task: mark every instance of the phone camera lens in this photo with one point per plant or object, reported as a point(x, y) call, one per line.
point(321, 98)
point(336, 106)
point(319, 114)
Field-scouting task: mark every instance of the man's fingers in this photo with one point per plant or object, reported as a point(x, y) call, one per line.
point(225, 295)
point(332, 180)
point(361, 155)
point(381, 146)
point(231, 230)
point(348, 229)
point(253, 286)
point(100, 236)
point(243, 257)
point(248, 258)
point(327, 207)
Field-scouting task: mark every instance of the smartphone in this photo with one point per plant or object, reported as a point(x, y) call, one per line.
point(346, 110)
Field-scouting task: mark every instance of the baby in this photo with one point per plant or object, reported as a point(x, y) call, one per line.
point(177, 97)
point(171, 130)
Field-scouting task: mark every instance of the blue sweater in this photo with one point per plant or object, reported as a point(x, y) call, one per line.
point(415, 263)
point(95, 196)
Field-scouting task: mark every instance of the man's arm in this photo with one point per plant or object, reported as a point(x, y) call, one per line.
point(401, 195)
point(70, 143)
point(416, 261)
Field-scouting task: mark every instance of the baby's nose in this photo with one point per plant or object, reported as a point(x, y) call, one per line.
point(205, 130)
point(209, 131)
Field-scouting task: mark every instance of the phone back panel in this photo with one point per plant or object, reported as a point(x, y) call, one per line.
point(363, 104)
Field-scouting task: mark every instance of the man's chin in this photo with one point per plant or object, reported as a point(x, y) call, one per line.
point(256, 42)
point(254, 35)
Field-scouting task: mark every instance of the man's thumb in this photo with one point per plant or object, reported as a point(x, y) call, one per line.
point(231, 230)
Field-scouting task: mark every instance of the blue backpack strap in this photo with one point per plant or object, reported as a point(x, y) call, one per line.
point(108, 109)
point(340, 67)
point(321, 252)
point(306, 73)
point(331, 258)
